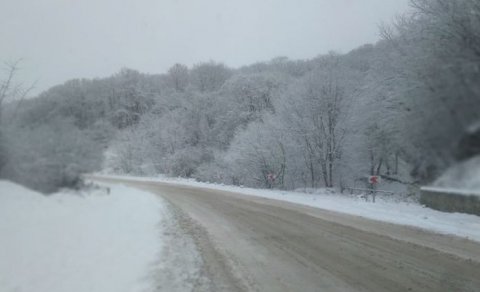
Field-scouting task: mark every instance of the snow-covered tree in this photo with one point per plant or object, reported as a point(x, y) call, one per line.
point(438, 78)
point(208, 77)
point(50, 156)
point(314, 113)
point(253, 94)
point(178, 76)
point(257, 157)
point(10, 91)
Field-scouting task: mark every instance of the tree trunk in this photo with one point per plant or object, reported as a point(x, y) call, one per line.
point(323, 164)
point(379, 167)
point(387, 165)
point(312, 174)
point(395, 171)
point(330, 170)
point(372, 163)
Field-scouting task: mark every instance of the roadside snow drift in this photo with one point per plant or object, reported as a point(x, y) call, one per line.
point(78, 242)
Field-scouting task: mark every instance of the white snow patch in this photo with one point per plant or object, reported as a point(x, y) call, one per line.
point(462, 178)
point(403, 213)
point(452, 191)
point(78, 241)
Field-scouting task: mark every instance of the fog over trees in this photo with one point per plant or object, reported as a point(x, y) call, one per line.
point(398, 108)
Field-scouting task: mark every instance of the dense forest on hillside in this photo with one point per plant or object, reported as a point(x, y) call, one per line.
point(399, 108)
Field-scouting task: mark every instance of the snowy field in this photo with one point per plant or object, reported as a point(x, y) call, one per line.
point(385, 209)
point(95, 241)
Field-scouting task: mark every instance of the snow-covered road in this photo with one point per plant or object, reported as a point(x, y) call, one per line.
point(386, 209)
point(250, 243)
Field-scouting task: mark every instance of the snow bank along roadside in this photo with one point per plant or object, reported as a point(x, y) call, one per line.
point(410, 214)
point(95, 241)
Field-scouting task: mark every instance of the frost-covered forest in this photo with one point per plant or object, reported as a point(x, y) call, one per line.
point(400, 108)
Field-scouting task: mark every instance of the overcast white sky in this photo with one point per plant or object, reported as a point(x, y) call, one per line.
point(65, 39)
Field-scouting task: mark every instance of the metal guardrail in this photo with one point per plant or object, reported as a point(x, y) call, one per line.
point(372, 192)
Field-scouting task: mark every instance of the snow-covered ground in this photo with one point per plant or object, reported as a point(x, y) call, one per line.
point(90, 241)
point(462, 178)
point(385, 208)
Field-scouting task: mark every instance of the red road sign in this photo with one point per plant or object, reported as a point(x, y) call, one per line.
point(271, 177)
point(374, 179)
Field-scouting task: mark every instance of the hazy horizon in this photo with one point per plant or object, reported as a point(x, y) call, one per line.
point(60, 40)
